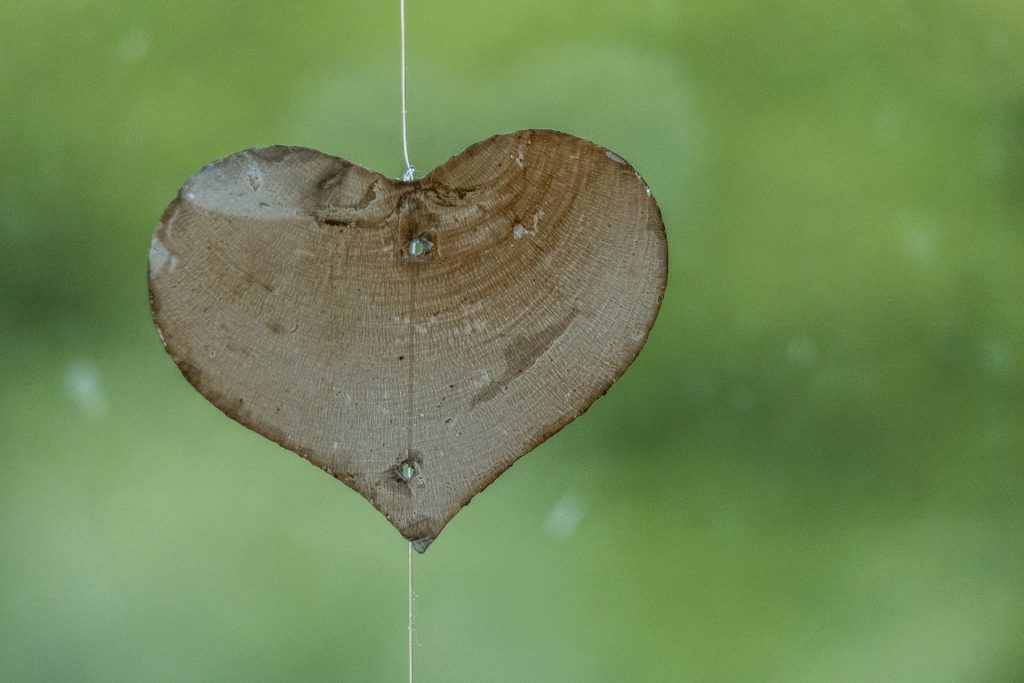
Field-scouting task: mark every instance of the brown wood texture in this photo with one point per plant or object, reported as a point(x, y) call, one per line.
point(287, 286)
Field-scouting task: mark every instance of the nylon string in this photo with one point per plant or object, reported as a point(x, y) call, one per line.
point(410, 170)
point(411, 606)
point(409, 175)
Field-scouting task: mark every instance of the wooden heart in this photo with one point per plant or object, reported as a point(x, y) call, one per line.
point(413, 339)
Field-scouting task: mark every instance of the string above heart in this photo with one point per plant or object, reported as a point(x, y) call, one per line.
point(410, 170)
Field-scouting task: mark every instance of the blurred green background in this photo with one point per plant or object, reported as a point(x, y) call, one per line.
point(814, 471)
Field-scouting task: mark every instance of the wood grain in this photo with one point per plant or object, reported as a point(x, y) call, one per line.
point(284, 287)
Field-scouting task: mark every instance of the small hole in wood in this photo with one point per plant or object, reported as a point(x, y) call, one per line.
point(418, 247)
point(405, 471)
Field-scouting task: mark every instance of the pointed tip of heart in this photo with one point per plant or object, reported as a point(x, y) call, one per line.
point(420, 545)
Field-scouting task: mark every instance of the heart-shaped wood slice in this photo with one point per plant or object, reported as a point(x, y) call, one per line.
point(413, 339)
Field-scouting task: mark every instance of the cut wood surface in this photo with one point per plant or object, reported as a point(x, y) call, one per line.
point(413, 339)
